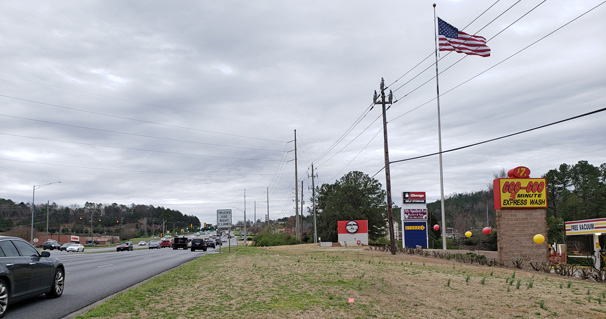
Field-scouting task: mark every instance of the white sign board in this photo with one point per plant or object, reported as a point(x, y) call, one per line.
point(223, 218)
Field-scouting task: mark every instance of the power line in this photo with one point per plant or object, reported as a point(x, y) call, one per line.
point(421, 72)
point(431, 54)
point(138, 149)
point(128, 171)
point(355, 138)
point(351, 127)
point(496, 138)
point(495, 65)
point(136, 120)
point(360, 152)
point(130, 134)
point(465, 56)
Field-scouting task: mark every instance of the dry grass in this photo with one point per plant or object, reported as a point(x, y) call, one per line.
point(307, 281)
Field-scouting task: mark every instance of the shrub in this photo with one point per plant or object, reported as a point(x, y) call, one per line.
point(266, 238)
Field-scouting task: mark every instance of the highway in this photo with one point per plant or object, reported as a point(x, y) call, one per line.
point(91, 277)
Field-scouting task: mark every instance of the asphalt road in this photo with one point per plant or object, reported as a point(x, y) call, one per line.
point(93, 277)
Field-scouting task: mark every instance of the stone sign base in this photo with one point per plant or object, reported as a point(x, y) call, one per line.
point(516, 229)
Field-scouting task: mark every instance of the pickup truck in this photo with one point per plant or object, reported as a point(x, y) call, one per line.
point(180, 242)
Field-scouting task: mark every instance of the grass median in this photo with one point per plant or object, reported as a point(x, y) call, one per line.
point(307, 281)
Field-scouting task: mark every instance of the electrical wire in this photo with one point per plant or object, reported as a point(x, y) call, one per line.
point(131, 171)
point(136, 120)
point(494, 139)
point(495, 65)
point(130, 134)
point(351, 127)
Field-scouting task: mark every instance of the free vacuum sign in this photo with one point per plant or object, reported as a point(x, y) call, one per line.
point(586, 226)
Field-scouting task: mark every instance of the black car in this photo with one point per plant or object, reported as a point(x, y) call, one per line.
point(51, 244)
point(25, 272)
point(125, 246)
point(198, 243)
point(210, 243)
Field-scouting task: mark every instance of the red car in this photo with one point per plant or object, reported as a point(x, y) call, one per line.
point(165, 243)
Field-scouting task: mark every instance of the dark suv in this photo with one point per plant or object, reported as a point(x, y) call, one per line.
point(197, 244)
point(26, 273)
point(128, 245)
point(51, 244)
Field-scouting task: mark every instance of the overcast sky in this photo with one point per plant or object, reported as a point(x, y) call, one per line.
point(190, 105)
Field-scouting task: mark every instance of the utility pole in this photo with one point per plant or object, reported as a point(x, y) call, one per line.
point(296, 193)
point(47, 203)
point(91, 228)
point(301, 222)
point(313, 202)
point(387, 173)
point(245, 233)
point(267, 218)
point(145, 223)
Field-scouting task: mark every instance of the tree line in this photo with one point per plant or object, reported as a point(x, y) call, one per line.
point(111, 219)
point(574, 192)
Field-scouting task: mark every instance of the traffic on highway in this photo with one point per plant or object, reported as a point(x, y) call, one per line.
point(75, 280)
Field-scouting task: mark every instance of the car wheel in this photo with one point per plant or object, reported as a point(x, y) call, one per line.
point(3, 297)
point(193, 249)
point(58, 284)
point(203, 249)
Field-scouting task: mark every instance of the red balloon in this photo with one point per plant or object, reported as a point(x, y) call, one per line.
point(436, 227)
point(486, 230)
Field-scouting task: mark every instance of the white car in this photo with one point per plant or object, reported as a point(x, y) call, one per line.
point(75, 248)
point(142, 243)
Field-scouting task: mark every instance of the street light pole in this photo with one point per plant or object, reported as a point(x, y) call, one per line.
point(33, 205)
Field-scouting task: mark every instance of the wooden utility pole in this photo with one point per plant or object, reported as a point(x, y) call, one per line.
point(267, 218)
point(296, 193)
point(245, 233)
point(387, 174)
point(313, 202)
point(301, 216)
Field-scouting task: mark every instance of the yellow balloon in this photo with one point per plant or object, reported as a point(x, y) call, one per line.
point(538, 238)
point(467, 234)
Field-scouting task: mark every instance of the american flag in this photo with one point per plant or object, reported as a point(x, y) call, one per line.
point(451, 39)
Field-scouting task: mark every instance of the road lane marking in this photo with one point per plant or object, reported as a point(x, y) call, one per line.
point(102, 266)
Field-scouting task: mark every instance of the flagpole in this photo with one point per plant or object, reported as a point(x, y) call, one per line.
point(439, 132)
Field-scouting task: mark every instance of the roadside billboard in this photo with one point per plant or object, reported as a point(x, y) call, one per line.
point(352, 232)
point(414, 219)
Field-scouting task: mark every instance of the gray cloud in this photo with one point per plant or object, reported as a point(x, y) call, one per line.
point(185, 105)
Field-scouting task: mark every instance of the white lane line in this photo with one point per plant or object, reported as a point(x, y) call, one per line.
point(102, 266)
